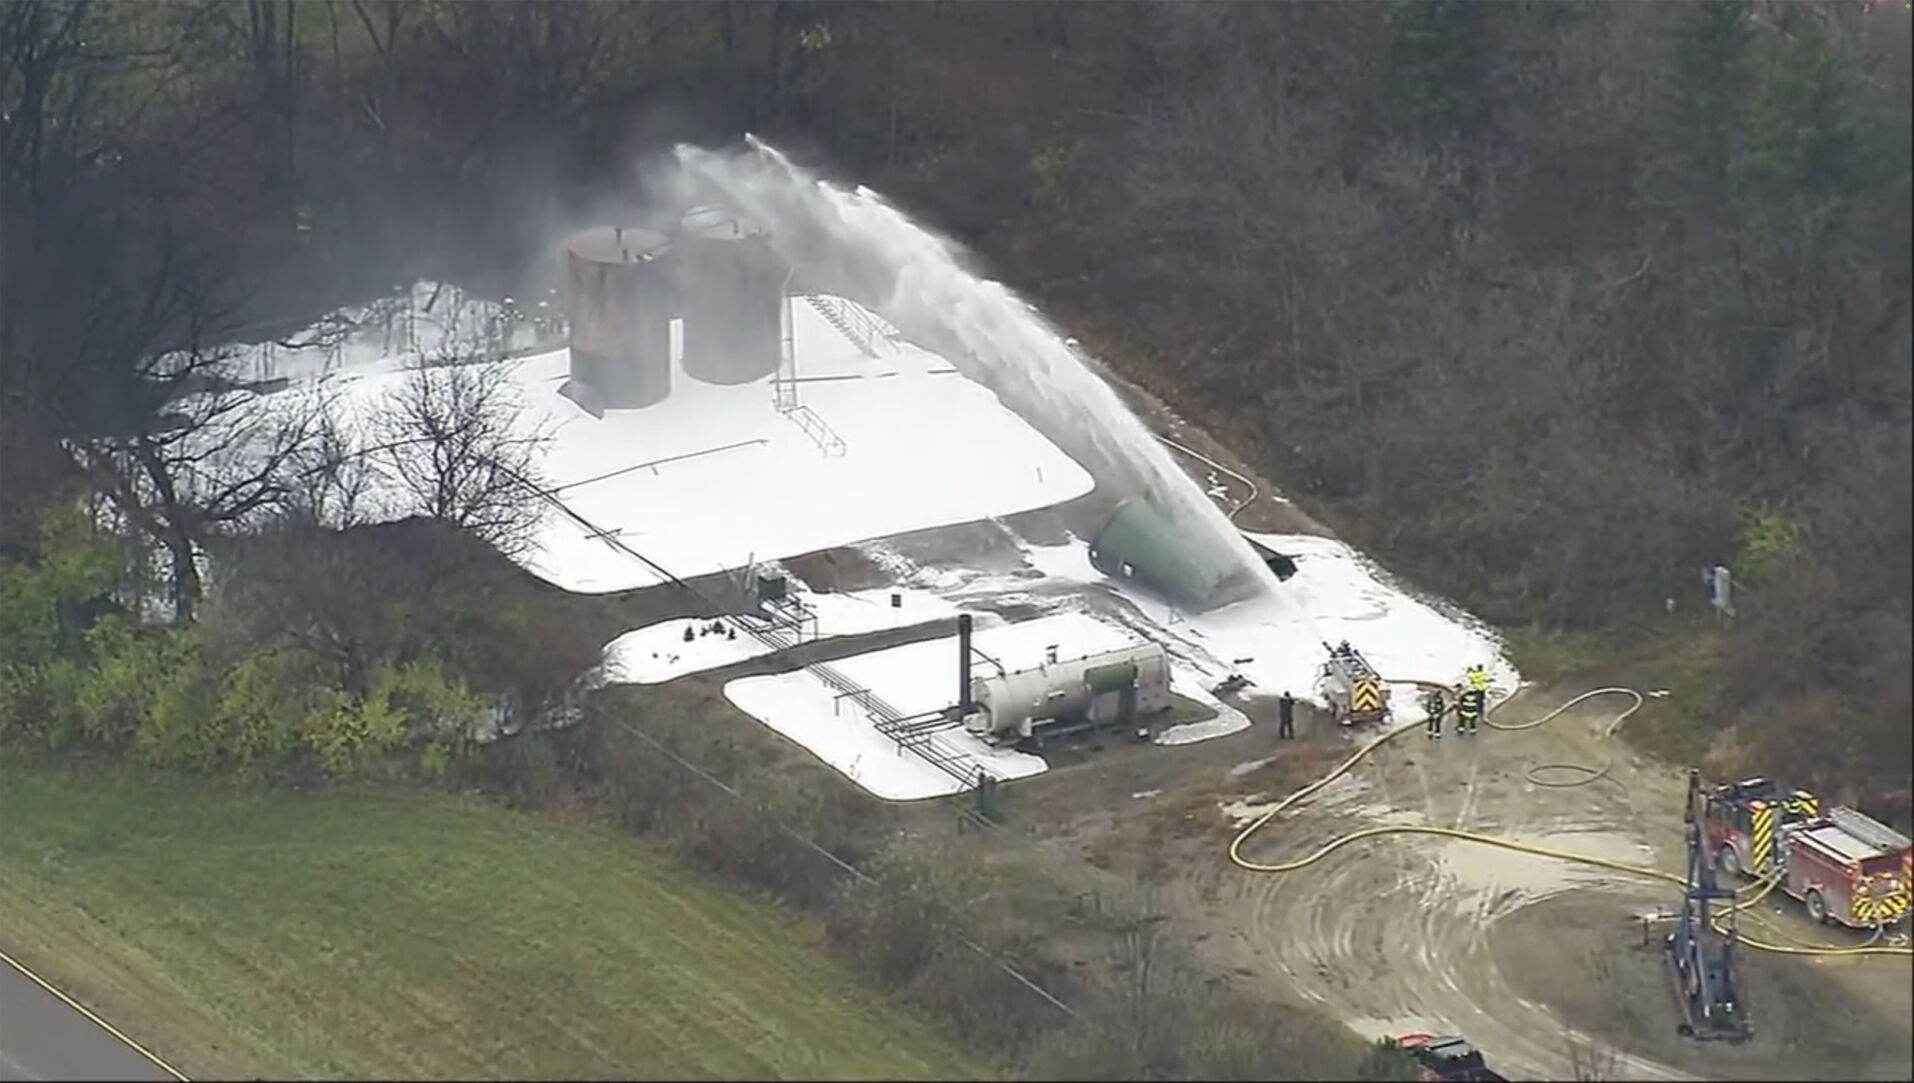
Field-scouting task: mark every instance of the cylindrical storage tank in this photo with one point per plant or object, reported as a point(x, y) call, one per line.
point(731, 284)
point(1139, 543)
point(621, 306)
point(1014, 702)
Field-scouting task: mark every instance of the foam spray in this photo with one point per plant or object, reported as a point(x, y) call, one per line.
point(854, 243)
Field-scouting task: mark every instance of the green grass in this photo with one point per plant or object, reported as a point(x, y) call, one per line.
point(379, 933)
point(1681, 656)
point(1547, 654)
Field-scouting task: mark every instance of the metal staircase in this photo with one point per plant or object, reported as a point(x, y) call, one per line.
point(784, 397)
point(857, 326)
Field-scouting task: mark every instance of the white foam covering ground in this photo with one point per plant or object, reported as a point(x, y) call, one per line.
point(660, 652)
point(922, 677)
point(1336, 594)
point(715, 478)
point(914, 679)
point(731, 480)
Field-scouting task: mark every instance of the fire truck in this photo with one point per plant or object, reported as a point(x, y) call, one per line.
point(1844, 866)
point(1352, 687)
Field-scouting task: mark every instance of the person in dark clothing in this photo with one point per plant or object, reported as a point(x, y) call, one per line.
point(1433, 708)
point(1286, 717)
point(1468, 710)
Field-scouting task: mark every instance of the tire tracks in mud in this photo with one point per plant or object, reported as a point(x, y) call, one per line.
point(1391, 940)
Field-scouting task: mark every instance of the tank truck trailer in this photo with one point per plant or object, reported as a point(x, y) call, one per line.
point(1843, 866)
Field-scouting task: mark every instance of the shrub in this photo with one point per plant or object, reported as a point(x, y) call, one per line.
point(259, 706)
point(1384, 1061)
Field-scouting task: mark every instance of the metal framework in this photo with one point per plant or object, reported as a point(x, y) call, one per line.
point(792, 615)
point(784, 397)
point(913, 733)
point(1701, 960)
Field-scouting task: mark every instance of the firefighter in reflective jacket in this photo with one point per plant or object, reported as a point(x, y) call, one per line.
point(1433, 706)
point(1478, 677)
point(1469, 704)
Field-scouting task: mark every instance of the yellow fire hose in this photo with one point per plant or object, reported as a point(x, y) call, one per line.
point(1592, 774)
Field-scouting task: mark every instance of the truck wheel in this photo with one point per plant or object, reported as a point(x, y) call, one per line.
point(1729, 862)
point(1817, 908)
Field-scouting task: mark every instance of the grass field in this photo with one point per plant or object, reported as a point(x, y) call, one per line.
point(402, 934)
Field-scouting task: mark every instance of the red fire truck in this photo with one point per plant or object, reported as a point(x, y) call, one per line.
point(1844, 866)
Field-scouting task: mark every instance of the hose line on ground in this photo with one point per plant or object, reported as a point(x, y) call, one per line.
point(1588, 774)
point(1760, 890)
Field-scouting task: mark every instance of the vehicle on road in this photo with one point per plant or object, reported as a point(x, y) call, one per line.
point(1447, 1059)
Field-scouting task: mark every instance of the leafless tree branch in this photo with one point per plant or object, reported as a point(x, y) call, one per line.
point(456, 451)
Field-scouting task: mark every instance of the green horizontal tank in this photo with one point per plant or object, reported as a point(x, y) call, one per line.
point(1138, 544)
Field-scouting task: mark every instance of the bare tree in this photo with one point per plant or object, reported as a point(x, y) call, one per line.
point(456, 449)
point(208, 462)
point(335, 481)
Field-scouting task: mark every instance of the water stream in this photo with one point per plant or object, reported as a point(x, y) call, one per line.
point(855, 244)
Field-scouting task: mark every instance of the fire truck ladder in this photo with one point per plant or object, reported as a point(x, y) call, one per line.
point(1701, 959)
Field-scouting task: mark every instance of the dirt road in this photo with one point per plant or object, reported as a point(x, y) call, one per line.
point(1539, 962)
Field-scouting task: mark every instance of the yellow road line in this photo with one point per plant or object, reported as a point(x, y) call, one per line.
point(89, 1014)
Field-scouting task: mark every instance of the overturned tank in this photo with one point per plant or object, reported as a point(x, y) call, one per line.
point(1139, 545)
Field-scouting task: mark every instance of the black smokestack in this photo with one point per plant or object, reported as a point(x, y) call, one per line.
point(963, 664)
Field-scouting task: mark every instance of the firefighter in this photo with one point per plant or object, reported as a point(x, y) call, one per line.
point(1479, 678)
point(1286, 717)
point(1433, 706)
point(1468, 710)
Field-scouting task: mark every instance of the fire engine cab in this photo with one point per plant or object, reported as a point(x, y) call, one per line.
point(1844, 866)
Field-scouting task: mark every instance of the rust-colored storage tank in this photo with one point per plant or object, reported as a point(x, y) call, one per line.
point(621, 307)
point(731, 288)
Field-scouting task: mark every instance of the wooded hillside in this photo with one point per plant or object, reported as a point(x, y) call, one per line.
point(1547, 304)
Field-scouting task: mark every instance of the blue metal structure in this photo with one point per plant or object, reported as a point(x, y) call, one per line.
point(1702, 960)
